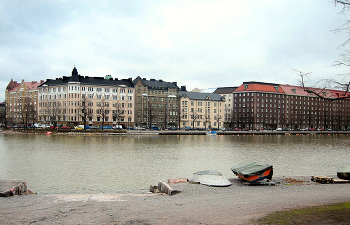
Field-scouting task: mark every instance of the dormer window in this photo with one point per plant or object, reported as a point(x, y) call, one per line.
point(245, 86)
point(294, 90)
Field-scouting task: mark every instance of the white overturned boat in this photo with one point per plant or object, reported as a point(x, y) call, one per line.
point(211, 178)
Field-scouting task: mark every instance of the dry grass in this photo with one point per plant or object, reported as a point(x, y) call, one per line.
point(336, 214)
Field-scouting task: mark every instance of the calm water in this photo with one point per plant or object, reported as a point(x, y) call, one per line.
point(130, 164)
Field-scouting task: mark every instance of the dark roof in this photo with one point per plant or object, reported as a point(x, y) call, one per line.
point(85, 80)
point(201, 96)
point(262, 83)
point(156, 84)
point(225, 90)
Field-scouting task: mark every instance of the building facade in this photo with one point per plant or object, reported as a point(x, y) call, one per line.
point(202, 110)
point(156, 103)
point(93, 101)
point(21, 103)
point(227, 92)
point(259, 105)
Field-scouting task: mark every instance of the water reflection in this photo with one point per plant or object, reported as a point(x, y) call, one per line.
point(129, 164)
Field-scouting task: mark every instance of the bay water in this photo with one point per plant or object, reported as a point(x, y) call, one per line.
point(74, 164)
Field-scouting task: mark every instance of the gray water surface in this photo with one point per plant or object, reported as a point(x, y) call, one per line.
point(61, 164)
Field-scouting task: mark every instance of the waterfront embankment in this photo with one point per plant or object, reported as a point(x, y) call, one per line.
point(196, 204)
point(165, 132)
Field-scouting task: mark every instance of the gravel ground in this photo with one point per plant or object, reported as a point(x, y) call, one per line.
point(196, 204)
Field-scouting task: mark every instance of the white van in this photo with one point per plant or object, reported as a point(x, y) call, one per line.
point(117, 127)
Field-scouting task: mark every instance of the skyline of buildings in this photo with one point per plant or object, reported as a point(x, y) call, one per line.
point(97, 101)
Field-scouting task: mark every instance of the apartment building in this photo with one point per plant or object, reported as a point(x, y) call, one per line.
point(156, 103)
point(93, 101)
point(227, 92)
point(202, 110)
point(259, 105)
point(21, 103)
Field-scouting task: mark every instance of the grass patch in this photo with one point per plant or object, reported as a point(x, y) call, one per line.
point(329, 214)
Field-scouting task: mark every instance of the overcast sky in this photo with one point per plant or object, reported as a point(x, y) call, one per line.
point(204, 44)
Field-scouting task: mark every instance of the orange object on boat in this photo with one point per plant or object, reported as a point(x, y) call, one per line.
point(253, 171)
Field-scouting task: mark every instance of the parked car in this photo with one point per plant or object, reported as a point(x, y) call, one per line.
point(279, 129)
point(117, 127)
point(79, 127)
point(154, 128)
point(187, 128)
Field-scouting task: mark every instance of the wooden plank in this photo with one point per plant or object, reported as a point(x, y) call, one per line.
point(165, 188)
point(323, 179)
point(338, 180)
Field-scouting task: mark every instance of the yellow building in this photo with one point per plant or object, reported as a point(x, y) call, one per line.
point(202, 110)
point(90, 101)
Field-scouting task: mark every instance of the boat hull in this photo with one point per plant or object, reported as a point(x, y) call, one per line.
point(344, 172)
point(253, 171)
point(265, 175)
point(211, 178)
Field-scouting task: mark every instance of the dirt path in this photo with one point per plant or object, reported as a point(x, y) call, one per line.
point(196, 204)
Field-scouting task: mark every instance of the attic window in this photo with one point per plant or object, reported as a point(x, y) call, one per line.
point(276, 87)
point(324, 93)
point(245, 86)
point(294, 90)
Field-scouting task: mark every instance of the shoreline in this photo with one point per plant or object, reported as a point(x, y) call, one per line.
point(196, 204)
point(165, 132)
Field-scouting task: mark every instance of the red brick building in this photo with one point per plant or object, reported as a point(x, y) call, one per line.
point(259, 105)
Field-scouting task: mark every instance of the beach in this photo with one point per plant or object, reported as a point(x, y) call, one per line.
point(195, 204)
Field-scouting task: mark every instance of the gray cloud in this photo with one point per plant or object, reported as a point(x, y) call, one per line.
point(201, 44)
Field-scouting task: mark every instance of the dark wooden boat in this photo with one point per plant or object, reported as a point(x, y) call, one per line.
point(253, 171)
point(344, 172)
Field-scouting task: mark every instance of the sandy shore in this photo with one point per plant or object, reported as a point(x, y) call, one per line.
point(196, 204)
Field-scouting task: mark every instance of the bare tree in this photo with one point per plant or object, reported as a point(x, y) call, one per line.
point(3, 115)
point(53, 111)
point(343, 85)
point(344, 88)
point(118, 112)
point(218, 118)
point(194, 117)
point(85, 110)
point(103, 111)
